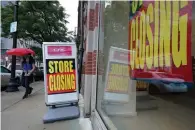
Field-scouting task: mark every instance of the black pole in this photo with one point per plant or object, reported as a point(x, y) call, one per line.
point(13, 86)
point(82, 42)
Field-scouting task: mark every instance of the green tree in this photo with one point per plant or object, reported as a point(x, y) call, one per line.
point(116, 24)
point(116, 19)
point(38, 52)
point(41, 21)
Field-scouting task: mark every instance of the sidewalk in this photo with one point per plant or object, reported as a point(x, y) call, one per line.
point(27, 114)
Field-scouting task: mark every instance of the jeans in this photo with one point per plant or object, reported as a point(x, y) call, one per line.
point(27, 81)
point(23, 80)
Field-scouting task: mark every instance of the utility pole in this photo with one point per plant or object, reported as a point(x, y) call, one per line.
point(81, 39)
point(13, 85)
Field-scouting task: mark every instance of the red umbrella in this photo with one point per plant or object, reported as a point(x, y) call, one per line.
point(19, 51)
point(31, 51)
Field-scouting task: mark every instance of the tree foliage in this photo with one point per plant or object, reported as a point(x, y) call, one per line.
point(116, 23)
point(38, 52)
point(41, 21)
point(116, 19)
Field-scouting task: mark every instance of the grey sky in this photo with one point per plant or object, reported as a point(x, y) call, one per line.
point(71, 9)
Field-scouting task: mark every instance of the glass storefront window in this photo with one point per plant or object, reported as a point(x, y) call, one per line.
point(158, 105)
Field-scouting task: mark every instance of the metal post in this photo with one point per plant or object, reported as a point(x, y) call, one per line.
point(13, 86)
point(81, 41)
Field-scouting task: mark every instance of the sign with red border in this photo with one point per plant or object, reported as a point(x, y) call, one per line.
point(61, 76)
point(160, 35)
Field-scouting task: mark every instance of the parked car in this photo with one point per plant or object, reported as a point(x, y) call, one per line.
point(2, 64)
point(6, 75)
point(38, 74)
point(18, 69)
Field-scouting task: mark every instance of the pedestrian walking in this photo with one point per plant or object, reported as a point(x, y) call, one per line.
point(23, 78)
point(28, 66)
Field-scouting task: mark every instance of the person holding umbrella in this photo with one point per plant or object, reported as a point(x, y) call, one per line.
point(28, 66)
point(23, 78)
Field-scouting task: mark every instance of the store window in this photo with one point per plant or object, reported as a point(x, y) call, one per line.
point(163, 107)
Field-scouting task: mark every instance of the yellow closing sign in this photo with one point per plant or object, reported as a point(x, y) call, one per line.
point(118, 78)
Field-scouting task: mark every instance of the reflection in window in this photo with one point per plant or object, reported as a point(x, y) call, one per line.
point(169, 115)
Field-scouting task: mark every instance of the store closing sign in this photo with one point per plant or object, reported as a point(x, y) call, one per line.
point(118, 78)
point(117, 86)
point(160, 35)
point(60, 73)
point(61, 76)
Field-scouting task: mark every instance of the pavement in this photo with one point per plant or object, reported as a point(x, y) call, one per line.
point(27, 114)
point(168, 116)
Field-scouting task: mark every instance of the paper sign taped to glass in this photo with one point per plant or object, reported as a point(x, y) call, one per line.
point(162, 46)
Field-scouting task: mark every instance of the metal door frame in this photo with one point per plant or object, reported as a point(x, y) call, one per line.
point(100, 121)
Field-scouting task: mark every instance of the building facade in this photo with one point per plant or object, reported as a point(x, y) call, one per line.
point(7, 43)
point(103, 25)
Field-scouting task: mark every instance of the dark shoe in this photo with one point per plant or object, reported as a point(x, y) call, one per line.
point(30, 90)
point(25, 96)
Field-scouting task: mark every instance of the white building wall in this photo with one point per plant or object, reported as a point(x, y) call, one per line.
point(7, 43)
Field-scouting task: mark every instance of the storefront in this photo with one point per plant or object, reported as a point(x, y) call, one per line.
point(113, 32)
